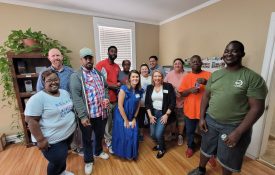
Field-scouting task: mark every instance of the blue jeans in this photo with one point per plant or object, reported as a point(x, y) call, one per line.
point(56, 155)
point(157, 130)
point(190, 125)
point(98, 126)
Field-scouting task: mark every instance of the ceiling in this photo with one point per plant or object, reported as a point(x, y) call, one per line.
point(146, 11)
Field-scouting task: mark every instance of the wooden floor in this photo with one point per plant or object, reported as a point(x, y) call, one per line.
point(19, 160)
point(269, 155)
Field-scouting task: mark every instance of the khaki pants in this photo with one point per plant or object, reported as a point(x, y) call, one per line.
point(109, 124)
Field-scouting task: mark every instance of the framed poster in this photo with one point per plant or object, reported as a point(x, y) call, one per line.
point(167, 69)
point(210, 64)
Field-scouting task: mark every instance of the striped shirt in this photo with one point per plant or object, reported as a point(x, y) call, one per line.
point(94, 88)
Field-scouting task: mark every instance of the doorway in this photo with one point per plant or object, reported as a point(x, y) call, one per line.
point(267, 151)
point(268, 148)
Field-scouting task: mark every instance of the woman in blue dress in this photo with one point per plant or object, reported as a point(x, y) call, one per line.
point(125, 127)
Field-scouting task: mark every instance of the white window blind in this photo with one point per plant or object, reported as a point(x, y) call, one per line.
point(115, 33)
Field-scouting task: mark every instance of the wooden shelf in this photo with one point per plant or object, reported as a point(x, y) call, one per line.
point(33, 55)
point(26, 94)
point(30, 61)
point(28, 75)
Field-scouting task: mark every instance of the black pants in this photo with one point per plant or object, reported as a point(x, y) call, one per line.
point(56, 155)
point(98, 126)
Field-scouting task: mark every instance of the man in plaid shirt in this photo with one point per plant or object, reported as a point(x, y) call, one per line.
point(91, 101)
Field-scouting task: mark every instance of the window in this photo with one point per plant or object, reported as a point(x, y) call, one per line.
point(109, 32)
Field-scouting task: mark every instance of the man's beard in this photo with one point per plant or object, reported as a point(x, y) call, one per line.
point(89, 67)
point(112, 57)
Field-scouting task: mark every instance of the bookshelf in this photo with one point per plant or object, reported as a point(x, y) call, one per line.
point(25, 70)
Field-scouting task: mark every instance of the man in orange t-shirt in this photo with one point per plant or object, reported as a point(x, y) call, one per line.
point(192, 88)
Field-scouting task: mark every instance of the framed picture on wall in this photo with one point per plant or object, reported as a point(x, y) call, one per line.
point(167, 69)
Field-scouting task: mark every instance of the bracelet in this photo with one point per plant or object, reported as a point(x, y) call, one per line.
point(167, 114)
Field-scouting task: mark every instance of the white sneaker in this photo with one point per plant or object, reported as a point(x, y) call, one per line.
point(88, 168)
point(110, 150)
point(67, 173)
point(180, 140)
point(103, 155)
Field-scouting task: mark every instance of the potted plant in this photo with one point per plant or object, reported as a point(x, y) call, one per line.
point(19, 42)
point(15, 43)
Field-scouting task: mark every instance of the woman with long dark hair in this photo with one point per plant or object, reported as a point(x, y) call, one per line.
point(125, 126)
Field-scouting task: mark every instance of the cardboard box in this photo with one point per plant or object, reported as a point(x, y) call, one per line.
point(2, 142)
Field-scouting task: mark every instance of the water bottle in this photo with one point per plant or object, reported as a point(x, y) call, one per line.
point(197, 85)
point(224, 137)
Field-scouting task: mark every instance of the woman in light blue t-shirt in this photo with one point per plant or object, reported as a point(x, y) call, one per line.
point(50, 117)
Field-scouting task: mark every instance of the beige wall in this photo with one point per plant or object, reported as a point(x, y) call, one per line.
point(147, 42)
point(206, 32)
point(72, 30)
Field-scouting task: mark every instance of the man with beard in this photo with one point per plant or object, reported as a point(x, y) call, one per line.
point(63, 72)
point(233, 101)
point(90, 98)
point(110, 70)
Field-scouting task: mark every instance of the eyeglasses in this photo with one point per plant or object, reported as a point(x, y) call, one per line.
point(52, 80)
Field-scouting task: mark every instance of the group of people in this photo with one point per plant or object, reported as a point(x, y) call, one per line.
point(114, 105)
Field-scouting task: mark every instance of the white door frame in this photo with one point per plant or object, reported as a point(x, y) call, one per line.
point(261, 128)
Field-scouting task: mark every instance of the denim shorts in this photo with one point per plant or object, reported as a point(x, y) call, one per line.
point(230, 158)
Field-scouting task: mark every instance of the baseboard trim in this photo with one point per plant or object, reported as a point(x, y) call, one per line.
point(250, 156)
point(266, 163)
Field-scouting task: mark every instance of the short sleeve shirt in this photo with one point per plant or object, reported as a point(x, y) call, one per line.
point(176, 79)
point(230, 91)
point(192, 102)
point(110, 72)
point(57, 120)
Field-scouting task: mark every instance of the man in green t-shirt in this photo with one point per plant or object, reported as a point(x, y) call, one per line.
point(233, 101)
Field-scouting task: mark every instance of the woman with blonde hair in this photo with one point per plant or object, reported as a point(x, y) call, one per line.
point(160, 102)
